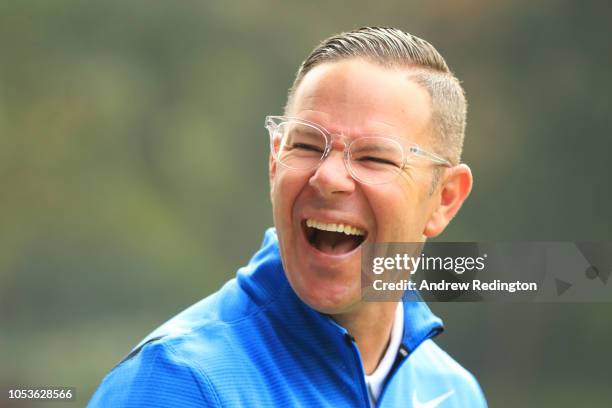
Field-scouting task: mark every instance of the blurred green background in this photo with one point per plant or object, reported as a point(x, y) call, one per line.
point(133, 165)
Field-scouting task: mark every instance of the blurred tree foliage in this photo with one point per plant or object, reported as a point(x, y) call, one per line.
point(133, 169)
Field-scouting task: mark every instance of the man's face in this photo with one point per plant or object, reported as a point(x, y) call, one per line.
point(352, 98)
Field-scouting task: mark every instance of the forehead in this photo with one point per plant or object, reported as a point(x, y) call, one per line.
point(356, 97)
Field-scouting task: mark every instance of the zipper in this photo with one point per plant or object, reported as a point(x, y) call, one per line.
point(402, 356)
point(350, 340)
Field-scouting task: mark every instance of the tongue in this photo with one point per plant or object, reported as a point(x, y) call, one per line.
point(334, 242)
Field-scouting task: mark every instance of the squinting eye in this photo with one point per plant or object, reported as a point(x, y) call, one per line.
point(306, 146)
point(378, 160)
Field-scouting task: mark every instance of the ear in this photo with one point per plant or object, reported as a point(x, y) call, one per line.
point(452, 191)
point(271, 173)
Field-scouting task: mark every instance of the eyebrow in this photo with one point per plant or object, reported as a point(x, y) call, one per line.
point(389, 132)
point(305, 131)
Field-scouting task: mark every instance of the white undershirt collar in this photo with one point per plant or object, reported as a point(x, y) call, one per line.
point(376, 380)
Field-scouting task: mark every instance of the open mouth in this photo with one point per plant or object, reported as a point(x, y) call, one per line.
point(335, 239)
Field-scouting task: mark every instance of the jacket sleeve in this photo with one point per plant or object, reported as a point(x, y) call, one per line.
point(155, 377)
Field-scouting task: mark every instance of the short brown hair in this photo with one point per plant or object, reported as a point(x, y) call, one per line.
point(392, 48)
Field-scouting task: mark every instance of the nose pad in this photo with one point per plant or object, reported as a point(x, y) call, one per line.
point(339, 142)
point(332, 177)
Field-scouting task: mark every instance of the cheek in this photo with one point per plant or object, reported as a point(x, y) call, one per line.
point(396, 223)
point(285, 188)
point(399, 214)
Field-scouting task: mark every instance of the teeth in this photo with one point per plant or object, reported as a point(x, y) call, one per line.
point(347, 229)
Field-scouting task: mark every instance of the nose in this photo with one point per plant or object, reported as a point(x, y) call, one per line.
point(332, 177)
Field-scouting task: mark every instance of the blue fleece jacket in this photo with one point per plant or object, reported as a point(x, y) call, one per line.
point(254, 343)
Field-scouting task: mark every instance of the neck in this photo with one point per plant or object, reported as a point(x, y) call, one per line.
point(371, 326)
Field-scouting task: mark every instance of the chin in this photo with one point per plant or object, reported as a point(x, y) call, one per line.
point(329, 297)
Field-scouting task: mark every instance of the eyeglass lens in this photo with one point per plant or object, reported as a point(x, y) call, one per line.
point(371, 159)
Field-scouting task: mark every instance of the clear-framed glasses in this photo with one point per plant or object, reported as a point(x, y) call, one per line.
point(303, 145)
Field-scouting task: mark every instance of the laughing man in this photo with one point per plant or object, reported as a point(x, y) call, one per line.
point(368, 150)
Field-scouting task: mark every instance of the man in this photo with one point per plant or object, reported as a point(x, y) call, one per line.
point(368, 151)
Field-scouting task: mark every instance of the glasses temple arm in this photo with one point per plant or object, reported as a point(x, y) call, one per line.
point(431, 156)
